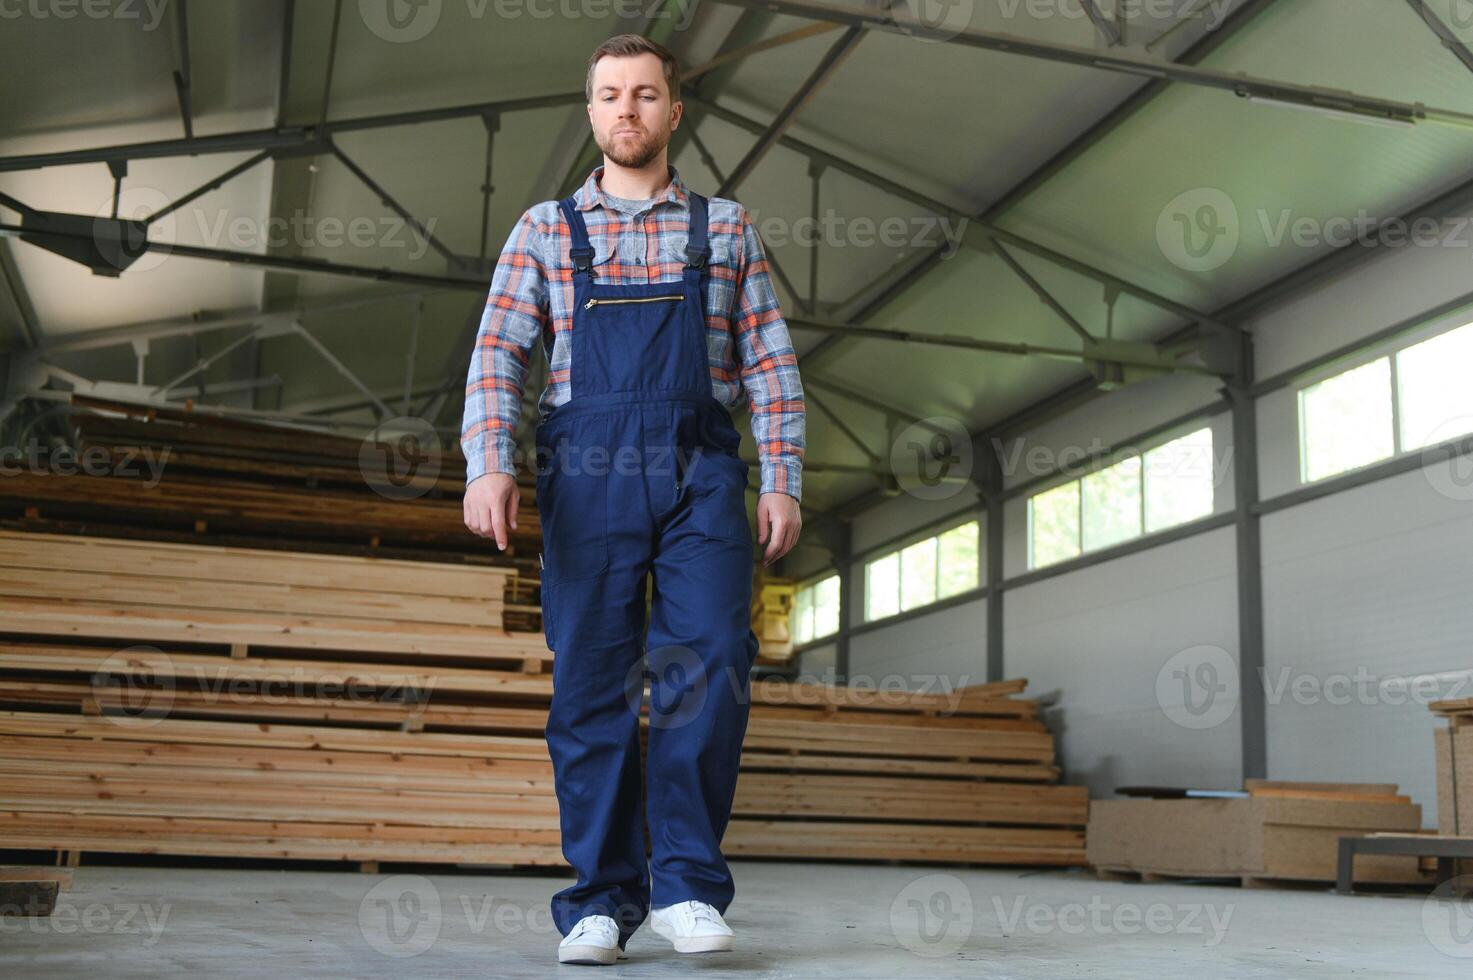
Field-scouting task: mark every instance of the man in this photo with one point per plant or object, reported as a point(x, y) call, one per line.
point(656, 312)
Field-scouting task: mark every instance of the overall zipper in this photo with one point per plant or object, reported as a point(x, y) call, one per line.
point(595, 301)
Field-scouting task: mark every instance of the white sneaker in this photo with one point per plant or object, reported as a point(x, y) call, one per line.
point(694, 927)
point(594, 939)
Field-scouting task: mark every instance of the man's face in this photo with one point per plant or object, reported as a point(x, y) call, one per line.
point(631, 112)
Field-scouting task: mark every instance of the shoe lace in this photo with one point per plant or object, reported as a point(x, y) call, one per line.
point(590, 924)
point(699, 910)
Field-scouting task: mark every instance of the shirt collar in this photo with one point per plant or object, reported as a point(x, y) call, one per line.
point(591, 192)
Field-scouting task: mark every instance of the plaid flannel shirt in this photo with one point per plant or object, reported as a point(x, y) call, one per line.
point(531, 296)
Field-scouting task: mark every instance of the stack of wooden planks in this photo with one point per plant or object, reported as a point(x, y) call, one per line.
point(191, 699)
point(1270, 831)
point(863, 773)
point(183, 475)
point(203, 700)
point(1453, 745)
point(65, 585)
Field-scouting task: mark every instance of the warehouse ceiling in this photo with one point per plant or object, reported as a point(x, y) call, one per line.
point(906, 130)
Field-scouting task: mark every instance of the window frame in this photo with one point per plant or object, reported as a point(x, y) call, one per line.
point(811, 584)
point(894, 550)
point(1391, 351)
point(1105, 463)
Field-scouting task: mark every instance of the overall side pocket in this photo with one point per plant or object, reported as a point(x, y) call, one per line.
point(572, 501)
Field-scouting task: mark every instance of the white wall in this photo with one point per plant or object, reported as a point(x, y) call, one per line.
point(1366, 618)
point(1370, 584)
point(1099, 639)
point(948, 647)
point(1397, 284)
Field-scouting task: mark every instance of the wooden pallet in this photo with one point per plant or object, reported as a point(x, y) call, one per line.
point(1241, 881)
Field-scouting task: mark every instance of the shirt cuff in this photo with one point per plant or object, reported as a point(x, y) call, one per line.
point(497, 456)
point(783, 475)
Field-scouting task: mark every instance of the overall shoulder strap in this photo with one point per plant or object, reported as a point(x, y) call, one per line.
point(698, 245)
point(582, 251)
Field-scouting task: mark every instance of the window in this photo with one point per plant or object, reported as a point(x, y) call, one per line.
point(816, 610)
point(1112, 504)
point(922, 573)
point(1053, 523)
point(1179, 481)
point(1402, 402)
point(1345, 421)
point(956, 562)
point(882, 587)
point(1432, 385)
point(1166, 486)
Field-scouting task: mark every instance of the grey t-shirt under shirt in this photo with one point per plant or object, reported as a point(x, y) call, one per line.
point(628, 204)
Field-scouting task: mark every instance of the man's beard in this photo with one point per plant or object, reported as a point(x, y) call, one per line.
point(636, 155)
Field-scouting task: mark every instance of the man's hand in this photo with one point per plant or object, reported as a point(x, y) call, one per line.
point(778, 524)
point(491, 506)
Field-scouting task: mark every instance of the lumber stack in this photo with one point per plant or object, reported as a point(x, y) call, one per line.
point(870, 774)
point(204, 700)
point(187, 475)
point(102, 588)
point(1271, 831)
point(191, 699)
point(1453, 748)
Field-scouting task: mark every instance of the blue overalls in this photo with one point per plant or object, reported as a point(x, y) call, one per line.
point(638, 472)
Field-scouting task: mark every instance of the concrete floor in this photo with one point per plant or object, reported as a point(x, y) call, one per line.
point(791, 919)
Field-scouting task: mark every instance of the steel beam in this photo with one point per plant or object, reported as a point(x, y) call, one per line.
point(1451, 41)
point(843, 427)
point(182, 326)
point(977, 233)
point(1252, 698)
point(1044, 296)
point(183, 80)
point(1109, 32)
point(388, 200)
point(343, 369)
point(747, 50)
point(898, 20)
point(202, 364)
point(832, 60)
point(294, 264)
point(205, 188)
point(278, 139)
point(1096, 351)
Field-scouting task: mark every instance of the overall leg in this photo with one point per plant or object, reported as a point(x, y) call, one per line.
point(701, 650)
point(597, 625)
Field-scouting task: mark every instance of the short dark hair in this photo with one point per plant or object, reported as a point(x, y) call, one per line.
point(628, 45)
